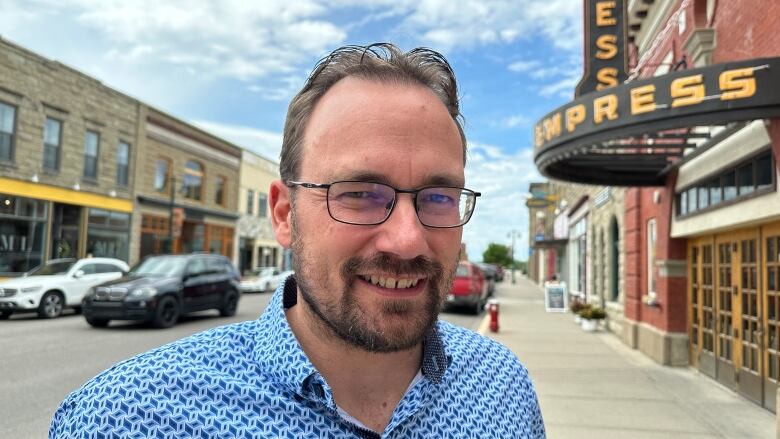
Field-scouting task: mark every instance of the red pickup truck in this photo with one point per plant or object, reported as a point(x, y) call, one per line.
point(469, 288)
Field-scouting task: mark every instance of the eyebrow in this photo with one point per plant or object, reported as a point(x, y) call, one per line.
point(433, 180)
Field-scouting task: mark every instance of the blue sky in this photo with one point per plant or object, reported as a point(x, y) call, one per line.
point(231, 67)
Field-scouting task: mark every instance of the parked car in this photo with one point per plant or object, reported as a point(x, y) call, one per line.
point(491, 276)
point(263, 279)
point(56, 284)
point(469, 287)
point(161, 288)
point(499, 273)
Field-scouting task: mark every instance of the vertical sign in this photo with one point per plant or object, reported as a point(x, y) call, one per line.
point(605, 45)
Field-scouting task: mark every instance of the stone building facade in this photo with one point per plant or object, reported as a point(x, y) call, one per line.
point(187, 191)
point(68, 146)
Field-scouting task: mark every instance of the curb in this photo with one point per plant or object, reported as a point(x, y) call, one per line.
point(482, 329)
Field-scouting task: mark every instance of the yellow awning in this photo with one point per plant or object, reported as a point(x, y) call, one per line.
point(62, 195)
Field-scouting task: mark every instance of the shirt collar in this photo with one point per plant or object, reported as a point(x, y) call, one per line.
point(281, 358)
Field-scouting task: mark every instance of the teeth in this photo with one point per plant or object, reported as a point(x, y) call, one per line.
point(390, 282)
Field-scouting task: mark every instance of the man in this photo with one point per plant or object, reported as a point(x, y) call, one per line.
point(371, 201)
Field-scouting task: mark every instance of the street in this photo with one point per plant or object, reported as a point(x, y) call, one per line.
point(44, 360)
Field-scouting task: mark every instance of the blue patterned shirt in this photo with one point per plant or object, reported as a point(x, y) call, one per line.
point(252, 380)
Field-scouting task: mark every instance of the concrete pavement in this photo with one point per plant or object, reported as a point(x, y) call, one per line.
point(591, 385)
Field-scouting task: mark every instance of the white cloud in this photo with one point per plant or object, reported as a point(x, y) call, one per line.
point(503, 179)
point(514, 121)
point(563, 87)
point(523, 66)
point(266, 143)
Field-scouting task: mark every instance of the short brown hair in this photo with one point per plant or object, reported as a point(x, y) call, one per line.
point(382, 62)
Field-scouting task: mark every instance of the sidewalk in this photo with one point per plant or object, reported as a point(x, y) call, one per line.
point(591, 385)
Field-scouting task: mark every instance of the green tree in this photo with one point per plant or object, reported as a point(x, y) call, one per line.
point(497, 254)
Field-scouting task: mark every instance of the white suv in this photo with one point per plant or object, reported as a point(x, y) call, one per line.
point(56, 284)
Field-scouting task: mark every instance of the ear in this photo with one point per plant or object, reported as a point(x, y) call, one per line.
point(281, 212)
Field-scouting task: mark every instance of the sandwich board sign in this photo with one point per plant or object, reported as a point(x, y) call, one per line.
point(556, 298)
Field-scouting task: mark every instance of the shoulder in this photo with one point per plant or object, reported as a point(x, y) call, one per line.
point(474, 354)
point(153, 377)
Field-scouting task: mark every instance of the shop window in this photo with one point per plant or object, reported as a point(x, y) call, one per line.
point(122, 163)
point(751, 177)
point(193, 180)
point(162, 169)
point(108, 234)
point(155, 235)
point(219, 193)
point(262, 205)
point(7, 131)
point(91, 154)
point(22, 226)
point(250, 201)
point(52, 140)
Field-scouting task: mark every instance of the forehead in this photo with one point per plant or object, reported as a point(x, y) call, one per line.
point(400, 132)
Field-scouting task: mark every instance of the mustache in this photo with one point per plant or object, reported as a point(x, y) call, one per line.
point(386, 263)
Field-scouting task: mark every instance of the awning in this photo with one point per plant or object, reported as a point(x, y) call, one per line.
point(630, 134)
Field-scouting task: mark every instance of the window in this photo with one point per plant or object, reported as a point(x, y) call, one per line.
point(108, 268)
point(122, 163)
point(22, 233)
point(193, 180)
point(753, 176)
point(651, 240)
point(161, 177)
point(52, 138)
point(745, 181)
point(219, 196)
point(250, 201)
point(7, 131)
point(108, 234)
point(262, 205)
point(91, 149)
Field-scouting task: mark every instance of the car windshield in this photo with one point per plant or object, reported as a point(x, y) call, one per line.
point(264, 271)
point(463, 271)
point(160, 266)
point(52, 268)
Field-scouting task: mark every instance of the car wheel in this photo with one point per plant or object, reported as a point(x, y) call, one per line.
point(167, 313)
point(230, 305)
point(98, 323)
point(51, 305)
point(4, 315)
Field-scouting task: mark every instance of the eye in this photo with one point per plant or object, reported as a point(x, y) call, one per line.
point(437, 198)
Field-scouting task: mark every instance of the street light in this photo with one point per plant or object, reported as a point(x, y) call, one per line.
point(513, 234)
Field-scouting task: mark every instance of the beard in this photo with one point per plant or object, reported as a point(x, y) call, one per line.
point(399, 324)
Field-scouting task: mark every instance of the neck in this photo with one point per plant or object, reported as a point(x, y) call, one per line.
point(367, 385)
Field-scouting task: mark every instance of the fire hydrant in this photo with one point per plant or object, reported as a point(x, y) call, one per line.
point(493, 310)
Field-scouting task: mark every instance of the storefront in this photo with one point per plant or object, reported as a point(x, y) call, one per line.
point(193, 229)
point(697, 149)
point(40, 222)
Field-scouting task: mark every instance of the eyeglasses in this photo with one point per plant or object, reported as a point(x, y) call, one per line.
point(365, 203)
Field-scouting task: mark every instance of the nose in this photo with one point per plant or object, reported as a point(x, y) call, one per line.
point(402, 234)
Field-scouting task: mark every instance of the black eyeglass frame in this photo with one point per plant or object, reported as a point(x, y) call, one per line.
point(412, 192)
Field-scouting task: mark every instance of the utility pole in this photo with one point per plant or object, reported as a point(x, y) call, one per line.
point(170, 215)
point(513, 234)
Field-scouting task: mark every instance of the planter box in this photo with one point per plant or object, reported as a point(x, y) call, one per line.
point(590, 325)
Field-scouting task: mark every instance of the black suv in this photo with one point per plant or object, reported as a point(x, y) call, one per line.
point(161, 288)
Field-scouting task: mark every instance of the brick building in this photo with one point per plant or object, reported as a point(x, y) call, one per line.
point(68, 146)
point(694, 135)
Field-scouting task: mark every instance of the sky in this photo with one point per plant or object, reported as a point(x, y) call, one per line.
point(232, 66)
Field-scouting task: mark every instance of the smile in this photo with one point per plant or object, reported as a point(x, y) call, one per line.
point(391, 282)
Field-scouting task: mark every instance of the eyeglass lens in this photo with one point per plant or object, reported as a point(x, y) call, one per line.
point(371, 203)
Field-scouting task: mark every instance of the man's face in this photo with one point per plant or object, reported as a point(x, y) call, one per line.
point(378, 287)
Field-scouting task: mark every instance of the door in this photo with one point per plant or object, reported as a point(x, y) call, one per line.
point(65, 231)
point(770, 253)
point(706, 308)
point(750, 335)
point(726, 289)
point(195, 294)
